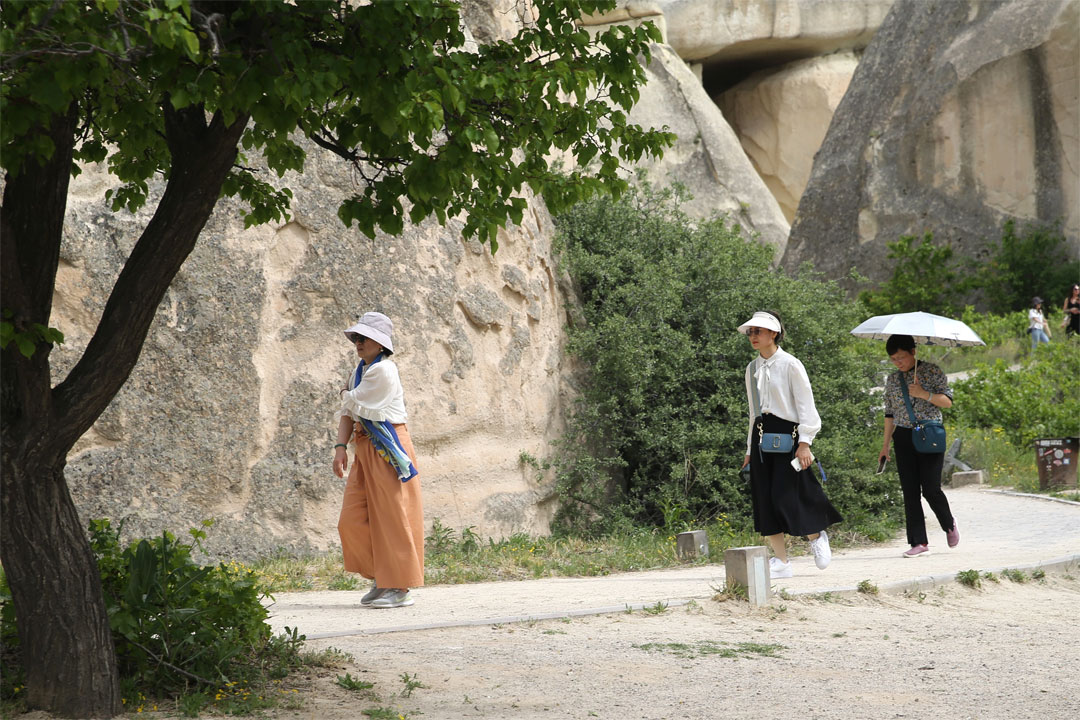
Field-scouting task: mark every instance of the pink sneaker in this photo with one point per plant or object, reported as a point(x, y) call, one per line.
point(953, 536)
point(916, 551)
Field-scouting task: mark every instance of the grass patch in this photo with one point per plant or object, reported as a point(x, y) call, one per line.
point(970, 578)
point(1016, 576)
point(713, 647)
point(1005, 465)
point(868, 588)
point(455, 557)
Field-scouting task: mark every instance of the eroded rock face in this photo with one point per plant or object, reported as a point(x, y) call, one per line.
point(230, 411)
point(707, 157)
point(707, 30)
point(960, 115)
point(780, 118)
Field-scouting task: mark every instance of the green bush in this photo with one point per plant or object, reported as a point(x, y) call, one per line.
point(1039, 400)
point(659, 430)
point(1036, 262)
point(179, 627)
point(925, 277)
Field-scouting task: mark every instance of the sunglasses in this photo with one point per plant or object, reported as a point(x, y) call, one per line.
point(357, 338)
point(756, 331)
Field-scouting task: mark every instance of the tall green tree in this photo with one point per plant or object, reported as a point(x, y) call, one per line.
point(432, 124)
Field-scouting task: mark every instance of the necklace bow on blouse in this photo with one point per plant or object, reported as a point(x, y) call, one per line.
point(764, 378)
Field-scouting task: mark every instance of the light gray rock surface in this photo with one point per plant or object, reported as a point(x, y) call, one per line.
point(707, 156)
point(960, 115)
point(229, 413)
point(781, 116)
point(714, 31)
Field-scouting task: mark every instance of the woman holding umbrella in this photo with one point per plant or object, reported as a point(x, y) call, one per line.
point(927, 391)
point(784, 499)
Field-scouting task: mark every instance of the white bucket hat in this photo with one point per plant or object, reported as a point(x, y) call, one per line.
point(376, 326)
point(762, 320)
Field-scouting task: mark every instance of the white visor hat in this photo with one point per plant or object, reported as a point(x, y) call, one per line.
point(761, 320)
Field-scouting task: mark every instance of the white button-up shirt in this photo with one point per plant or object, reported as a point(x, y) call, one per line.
point(783, 390)
point(378, 397)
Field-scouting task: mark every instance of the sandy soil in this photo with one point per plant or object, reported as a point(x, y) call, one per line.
point(1008, 650)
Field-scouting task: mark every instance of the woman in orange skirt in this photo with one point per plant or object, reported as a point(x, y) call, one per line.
point(382, 515)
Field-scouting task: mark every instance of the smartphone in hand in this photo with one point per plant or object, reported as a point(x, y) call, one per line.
point(882, 462)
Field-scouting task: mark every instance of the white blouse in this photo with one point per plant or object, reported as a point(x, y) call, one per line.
point(783, 390)
point(1035, 319)
point(378, 397)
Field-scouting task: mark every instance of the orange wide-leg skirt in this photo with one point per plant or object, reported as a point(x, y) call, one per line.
point(382, 519)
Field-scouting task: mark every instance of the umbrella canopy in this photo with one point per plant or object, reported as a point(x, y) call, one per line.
point(925, 328)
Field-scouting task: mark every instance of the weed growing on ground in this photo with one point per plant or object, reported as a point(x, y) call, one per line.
point(970, 578)
point(1038, 574)
point(867, 587)
point(658, 609)
point(348, 682)
point(1017, 576)
point(411, 683)
point(714, 647)
point(991, 577)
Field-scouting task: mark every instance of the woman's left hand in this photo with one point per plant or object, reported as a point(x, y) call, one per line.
point(804, 455)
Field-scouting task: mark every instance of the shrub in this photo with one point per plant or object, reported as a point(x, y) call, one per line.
point(180, 628)
point(925, 277)
point(659, 429)
point(1040, 399)
point(1036, 262)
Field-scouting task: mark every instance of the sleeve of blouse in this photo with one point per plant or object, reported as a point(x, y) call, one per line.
point(937, 382)
point(374, 394)
point(803, 394)
point(892, 387)
point(750, 411)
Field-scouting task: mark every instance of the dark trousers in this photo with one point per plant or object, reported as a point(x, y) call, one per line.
point(920, 474)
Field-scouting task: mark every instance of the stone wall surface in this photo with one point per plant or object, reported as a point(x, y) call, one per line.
point(959, 116)
point(230, 411)
point(781, 116)
point(707, 157)
point(713, 31)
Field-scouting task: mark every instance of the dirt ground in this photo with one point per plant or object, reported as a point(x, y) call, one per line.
point(1007, 650)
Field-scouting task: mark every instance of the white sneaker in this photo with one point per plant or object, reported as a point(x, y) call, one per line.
point(822, 551)
point(779, 570)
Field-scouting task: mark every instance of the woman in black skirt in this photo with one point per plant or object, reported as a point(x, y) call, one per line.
point(781, 401)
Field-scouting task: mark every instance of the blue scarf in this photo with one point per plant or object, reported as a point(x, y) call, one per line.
point(383, 436)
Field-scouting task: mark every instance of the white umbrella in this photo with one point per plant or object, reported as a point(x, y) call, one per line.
point(925, 328)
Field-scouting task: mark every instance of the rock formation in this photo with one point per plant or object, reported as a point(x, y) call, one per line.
point(959, 116)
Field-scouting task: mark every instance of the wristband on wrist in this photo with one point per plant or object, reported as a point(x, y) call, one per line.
point(341, 445)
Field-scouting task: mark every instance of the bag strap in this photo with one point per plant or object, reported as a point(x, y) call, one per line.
point(907, 399)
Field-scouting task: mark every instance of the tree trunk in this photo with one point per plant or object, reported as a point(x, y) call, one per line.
point(66, 645)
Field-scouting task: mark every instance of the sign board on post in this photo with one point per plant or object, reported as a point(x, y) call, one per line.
point(1056, 459)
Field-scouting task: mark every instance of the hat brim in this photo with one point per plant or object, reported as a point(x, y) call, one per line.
point(370, 332)
point(769, 323)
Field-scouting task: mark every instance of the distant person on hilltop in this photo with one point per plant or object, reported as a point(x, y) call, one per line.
point(382, 515)
point(1037, 327)
point(783, 423)
point(1071, 308)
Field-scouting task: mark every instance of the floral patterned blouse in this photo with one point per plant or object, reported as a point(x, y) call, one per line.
point(932, 378)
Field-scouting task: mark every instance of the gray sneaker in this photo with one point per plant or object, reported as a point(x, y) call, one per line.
point(371, 594)
point(392, 598)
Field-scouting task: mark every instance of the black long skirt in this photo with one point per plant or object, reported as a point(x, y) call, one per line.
point(785, 501)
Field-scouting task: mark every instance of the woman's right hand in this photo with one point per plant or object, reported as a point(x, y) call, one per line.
point(341, 461)
point(746, 461)
point(883, 455)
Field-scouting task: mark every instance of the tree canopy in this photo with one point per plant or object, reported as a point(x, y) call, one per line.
point(213, 98)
